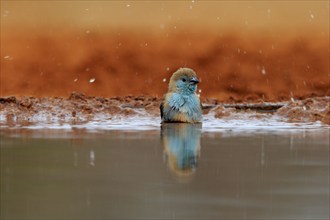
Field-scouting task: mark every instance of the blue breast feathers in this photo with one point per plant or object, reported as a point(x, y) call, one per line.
point(187, 104)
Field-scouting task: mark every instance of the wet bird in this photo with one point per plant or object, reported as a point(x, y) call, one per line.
point(181, 103)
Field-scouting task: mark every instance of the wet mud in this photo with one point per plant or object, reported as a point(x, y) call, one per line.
point(80, 108)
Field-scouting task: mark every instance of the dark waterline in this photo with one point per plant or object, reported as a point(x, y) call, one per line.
point(178, 172)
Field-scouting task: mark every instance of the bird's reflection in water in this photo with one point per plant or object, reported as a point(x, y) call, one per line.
point(181, 142)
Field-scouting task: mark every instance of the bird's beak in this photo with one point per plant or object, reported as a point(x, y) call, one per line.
point(194, 80)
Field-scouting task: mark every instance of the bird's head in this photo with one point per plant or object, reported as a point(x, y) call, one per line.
point(184, 80)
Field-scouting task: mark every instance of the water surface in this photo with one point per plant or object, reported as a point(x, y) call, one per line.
point(177, 172)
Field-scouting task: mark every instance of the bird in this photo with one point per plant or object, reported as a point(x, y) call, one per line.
point(181, 103)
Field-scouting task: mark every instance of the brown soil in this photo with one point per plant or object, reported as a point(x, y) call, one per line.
point(307, 110)
point(79, 108)
point(76, 108)
point(311, 109)
point(233, 67)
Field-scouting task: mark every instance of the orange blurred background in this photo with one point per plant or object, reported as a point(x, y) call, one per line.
point(242, 50)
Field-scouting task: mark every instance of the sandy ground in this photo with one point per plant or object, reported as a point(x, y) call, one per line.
point(233, 67)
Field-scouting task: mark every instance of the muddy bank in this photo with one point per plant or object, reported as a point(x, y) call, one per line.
point(233, 67)
point(75, 109)
point(312, 109)
point(79, 108)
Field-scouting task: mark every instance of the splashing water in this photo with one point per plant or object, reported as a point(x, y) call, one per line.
point(238, 122)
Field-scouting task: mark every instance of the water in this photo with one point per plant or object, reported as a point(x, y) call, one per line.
point(178, 172)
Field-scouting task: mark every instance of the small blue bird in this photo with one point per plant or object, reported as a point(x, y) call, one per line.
point(181, 103)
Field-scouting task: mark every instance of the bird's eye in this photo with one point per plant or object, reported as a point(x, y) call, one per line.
point(183, 80)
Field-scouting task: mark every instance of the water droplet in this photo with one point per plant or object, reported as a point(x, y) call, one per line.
point(92, 80)
point(263, 71)
point(128, 5)
point(8, 57)
point(75, 80)
point(311, 16)
point(6, 13)
point(164, 79)
point(167, 69)
point(91, 158)
point(200, 91)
